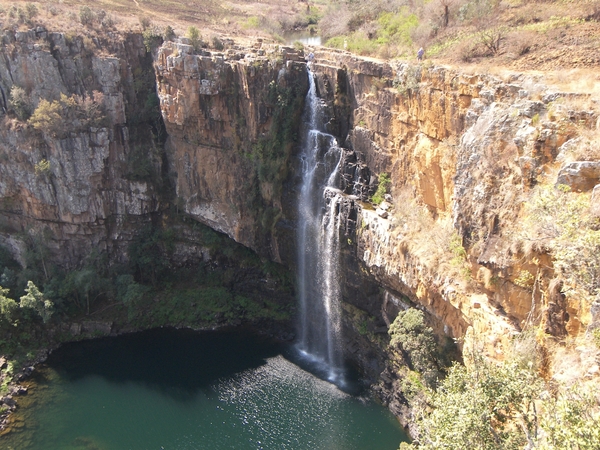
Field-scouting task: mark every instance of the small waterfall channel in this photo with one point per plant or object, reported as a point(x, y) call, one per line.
point(318, 244)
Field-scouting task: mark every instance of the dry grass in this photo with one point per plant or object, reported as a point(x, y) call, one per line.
point(433, 242)
point(210, 16)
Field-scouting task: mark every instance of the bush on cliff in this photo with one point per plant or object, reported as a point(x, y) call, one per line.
point(384, 184)
point(193, 34)
point(415, 339)
point(507, 405)
point(7, 308)
point(20, 103)
point(35, 300)
point(560, 221)
point(75, 113)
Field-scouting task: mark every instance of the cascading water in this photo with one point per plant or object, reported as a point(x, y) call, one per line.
point(318, 244)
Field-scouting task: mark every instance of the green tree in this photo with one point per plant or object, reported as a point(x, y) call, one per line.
point(47, 117)
point(146, 255)
point(86, 15)
point(409, 333)
point(193, 34)
point(75, 113)
point(486, 406)
point(569, 422)
point(32, 11)
point(36, 300)
point(129, 292)
point(7, 307)
point(169, 33)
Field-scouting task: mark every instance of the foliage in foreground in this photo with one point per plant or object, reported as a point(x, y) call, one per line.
point(505, 406)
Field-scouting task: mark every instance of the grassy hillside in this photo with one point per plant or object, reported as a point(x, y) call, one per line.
point(517, 34)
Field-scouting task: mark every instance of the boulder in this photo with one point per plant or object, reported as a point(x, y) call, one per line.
point(580, 176)
point(9, 401)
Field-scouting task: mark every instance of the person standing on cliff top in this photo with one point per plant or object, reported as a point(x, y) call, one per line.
point(420, 54)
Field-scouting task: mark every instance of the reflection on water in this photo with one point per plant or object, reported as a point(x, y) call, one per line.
point(184, 390)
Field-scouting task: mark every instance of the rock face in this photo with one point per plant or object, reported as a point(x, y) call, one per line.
point(77, 189)
point(580, 176)
point(468, 147)
point(224, 151)
point(222, 113)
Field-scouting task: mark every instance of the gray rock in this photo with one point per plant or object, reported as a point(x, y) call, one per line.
point(530, 108)
point(9, 401)
point(75, 329)
point(580, 176)
point(385, 206)
point(566, 148)
point(595, 313)
point(595, 202)
point(382, 213)
point(103, 328)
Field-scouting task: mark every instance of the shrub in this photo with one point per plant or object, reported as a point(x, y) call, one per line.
point(20, 103)
point(477, 407)
point(47, 117)
point(570, 421)
point(410, 333)
point(108, 21)
point(492, 39)
point(152, 38)
point(86, 15)
point(168, 33)
point(384, 184)
point(32, 11)
point(42, 167)
point(252, 22)
point(7, 307)
point(396, 28)
point(217, 43)
point(73, 113)
point(193, 34)
point(145, 22)
point(36, 300)
point(561, 221)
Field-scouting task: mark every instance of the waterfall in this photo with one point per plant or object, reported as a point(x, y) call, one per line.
point(318, 243)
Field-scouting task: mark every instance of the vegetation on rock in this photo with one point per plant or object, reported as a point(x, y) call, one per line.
point(67, 114)
point(505, 406)
point(382, 189)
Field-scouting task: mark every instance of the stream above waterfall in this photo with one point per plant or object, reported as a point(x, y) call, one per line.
point(180, 389)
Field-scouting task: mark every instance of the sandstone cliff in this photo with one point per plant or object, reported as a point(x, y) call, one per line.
point(463, 152)
point(81, 185)
point(232, 120)
point(469, 148)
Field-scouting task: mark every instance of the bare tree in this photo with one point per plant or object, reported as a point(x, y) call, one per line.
point(446, 15)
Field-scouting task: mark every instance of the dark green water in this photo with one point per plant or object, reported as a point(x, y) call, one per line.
point(178, 389)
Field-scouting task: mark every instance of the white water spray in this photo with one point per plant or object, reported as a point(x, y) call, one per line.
point(318, 244)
